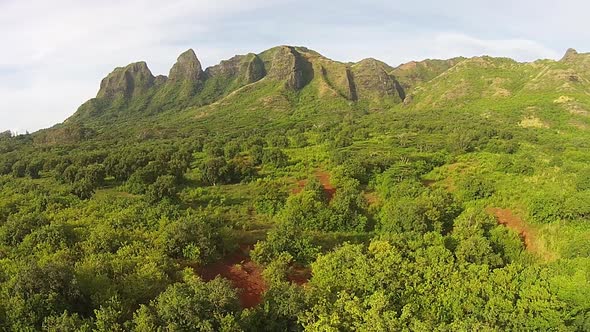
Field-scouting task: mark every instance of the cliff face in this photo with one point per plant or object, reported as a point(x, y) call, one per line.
point(241, 69)
point(373, 81)
point(187, 69)
point(286, 63)
point(292, 68)
point(128, 82)
point(569, 55)
point(411, 74)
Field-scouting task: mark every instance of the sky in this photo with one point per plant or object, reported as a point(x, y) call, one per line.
point(53, 54)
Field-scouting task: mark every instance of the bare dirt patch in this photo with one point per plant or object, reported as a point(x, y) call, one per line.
point(324, 178)
point(372, 198)
point(529, 235)
point(428, 183)
point(244, 274)
point(300, 185)
point(532, 122)
point(507, 218)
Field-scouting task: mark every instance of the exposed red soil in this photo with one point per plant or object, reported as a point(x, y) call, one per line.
point(244, 274)
point(507, 218)
point(324, 178)
point(300, 185)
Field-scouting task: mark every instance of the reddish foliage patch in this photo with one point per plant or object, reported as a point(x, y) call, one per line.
point(244, 274)
point(507, 218)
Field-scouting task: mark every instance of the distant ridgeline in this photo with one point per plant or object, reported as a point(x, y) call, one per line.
point(287, 78)
point(281, 69)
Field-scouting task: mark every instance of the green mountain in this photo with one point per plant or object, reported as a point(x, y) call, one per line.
point(327, 196)
point(295, 79)
point(281, 70)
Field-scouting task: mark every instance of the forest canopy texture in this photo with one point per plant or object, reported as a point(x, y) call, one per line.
point(285, 191)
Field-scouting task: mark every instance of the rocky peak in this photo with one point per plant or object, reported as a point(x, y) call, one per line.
point(160, 80)
point(569, 54)
point(186, 68)
point(374, 62)
point(289, 64)
point(129, 81)
point(245, 68)
point(372, 80)
point(413, 73)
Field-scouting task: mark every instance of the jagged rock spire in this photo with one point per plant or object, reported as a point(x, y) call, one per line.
point(569, 54)
point(186, 68)
point(129, 81)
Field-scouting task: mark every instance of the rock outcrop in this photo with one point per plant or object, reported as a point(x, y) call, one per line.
point(414, 73)
point(570, 54)
point(187, 68)
point(288, 64)
point(185, 80)
point(244, 69)
point(128, 82)
point(373, 81)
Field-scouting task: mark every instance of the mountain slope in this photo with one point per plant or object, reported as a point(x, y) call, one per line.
point(133, 89)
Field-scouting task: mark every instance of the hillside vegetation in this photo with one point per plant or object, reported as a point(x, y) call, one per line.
point(285, 191)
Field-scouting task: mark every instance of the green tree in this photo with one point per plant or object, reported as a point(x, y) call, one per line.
point(33, 168)
point(164, 187)
point(285, 238)
point(275, 157)
point(83, 188)
point(257, 154)
point(66, 323)
point(193, 305)
point(19, 169)
point(192, 234)
point(271, 198)
point(213, 171)
point(108, 317)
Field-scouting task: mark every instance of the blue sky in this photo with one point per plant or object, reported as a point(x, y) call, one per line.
point(54, 53)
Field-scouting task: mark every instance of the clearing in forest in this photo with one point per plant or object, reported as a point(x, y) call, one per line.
point(244, 274)
point(324, 178)
point(507, 218)
point(527, 233)
point(299, 274)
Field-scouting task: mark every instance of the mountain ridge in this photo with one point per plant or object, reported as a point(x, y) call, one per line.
point(295, 66)
point(291, 78)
